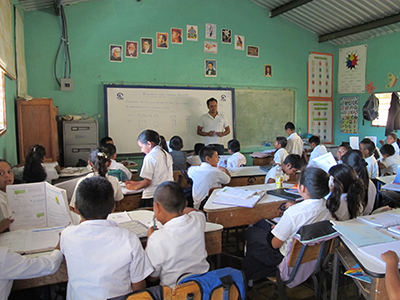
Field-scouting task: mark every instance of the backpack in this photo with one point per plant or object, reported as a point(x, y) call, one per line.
point(370, 108)
point(227, 282)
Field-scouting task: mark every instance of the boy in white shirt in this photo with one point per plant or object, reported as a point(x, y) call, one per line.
point(236, 159)
point(392, 139)
point(178, 247)
point(103, 260)
point(207, 175)
point(367, 148)
point(390, 160)
point(290, 165)
point(112, 151)
point(294, 141)
point(281, 153)
point(317, 149)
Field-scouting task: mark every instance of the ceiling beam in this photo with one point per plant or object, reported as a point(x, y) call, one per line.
point(286, 7)
point(359, 28)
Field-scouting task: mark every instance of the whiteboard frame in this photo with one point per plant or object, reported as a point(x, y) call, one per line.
point(106, 86)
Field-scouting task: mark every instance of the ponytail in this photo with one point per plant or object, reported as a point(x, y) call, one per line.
point(163, 143)
point(99, 159)
point(316, 182)
point(33, 170)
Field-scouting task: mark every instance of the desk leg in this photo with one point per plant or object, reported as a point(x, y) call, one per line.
point(335, 276)
point(378, 289)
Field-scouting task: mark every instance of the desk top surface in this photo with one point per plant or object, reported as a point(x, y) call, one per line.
point(266, 199)
point(247, 171)
point(386, 179)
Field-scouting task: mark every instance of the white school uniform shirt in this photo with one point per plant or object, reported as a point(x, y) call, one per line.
point(237, 159)
point(157, 166)
point(14, 266)
point(102, 260)
point(217, 124)
point(391, 163)
point(343, 212)
point(118, 166)
point(280, 155)
point(178, 248)
point(49, 168)
point(396, 148)
point(371, 198)
point(118, 195)
point(306, 212)
point(271, 174)
point(5, 209)
point(372, 167)
point(317, 151)
point(294, 144)
point(204, 178)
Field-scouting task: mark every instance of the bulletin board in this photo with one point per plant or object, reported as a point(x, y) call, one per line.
point(320, 119)
point(349, 114)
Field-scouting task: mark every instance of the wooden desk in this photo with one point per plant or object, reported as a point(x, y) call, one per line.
point(248, 175)
point(213, 240)
point(268, 207)
point(263, 161)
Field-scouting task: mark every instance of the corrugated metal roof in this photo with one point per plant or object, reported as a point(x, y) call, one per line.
point(327, 16)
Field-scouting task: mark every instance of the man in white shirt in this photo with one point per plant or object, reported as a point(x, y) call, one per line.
point(213, 126)
point(294, 141)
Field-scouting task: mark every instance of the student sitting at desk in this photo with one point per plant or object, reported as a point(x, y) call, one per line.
point(290, 165)
point(265, 247)
point(103, 260)
point(236, 159)
point(193, 159)
point(317, 149)
point(342, 149)
point(390, 160)
point(99, 160)
point(207, 175)
point(393, 140)
point(346, 197)
point(156, 168)
point(179, 157)
point(114, 165)
point(281, 153)
point(179, 247)
point(367, 148)
point(6, 178)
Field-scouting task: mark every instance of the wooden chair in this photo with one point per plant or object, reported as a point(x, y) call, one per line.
point(182, 178)
point(144, 295)
point(189, 290)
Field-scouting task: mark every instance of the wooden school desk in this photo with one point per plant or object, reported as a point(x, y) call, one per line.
point(268, 207)
point(248, 175)
point(213, 240)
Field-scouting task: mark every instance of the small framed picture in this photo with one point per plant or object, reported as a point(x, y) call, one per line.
point(211, 31)
point(162, 40)
point(115, 53)
point(131, 49)
point(239, 42)
point(226, 36)
point(176, 35)
point(210, 47)
point(268, 70)
point(252, 51)
point(147, 45)
point(210, 68)
point(192, 33)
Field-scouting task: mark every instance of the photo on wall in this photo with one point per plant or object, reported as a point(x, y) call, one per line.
point(210, 47)
point(226, 36)
point(131, 49)
point(239, 42)
point(192, 33)
point(115, 53)
point(252, 51)
point(162, 40)
point(211, 31)
point(268, 70)
point(176, 36)
point(147, 45)
point(210, 68)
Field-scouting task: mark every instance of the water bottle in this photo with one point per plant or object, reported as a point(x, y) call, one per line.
point(278, 177)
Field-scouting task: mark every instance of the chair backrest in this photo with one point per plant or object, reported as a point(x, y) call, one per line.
point(148, 294)
point(310, 253)
point(188, 290)
point(182, 178)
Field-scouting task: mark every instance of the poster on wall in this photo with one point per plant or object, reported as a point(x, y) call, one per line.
point(352, 62)
point(349, 114)
point(320, 75)
point(320, 119)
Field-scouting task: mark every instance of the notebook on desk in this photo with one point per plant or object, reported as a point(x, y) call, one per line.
point(266, 168)
point(284, 194)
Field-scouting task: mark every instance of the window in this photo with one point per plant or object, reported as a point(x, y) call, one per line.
point(383, 110)
point(2, 105)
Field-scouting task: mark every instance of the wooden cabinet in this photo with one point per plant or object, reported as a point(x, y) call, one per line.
point(37, 124)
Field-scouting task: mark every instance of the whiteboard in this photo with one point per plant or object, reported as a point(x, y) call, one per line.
point(168, 110)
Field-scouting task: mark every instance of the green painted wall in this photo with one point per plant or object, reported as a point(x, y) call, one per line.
point(94, 25)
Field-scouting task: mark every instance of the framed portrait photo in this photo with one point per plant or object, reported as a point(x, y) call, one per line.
point(210, 67)
point(131, 49)
point(176, 36)
point(115, 53)
point(162, 40)
point(268, 70)
point(226, 36)
point(146, 45)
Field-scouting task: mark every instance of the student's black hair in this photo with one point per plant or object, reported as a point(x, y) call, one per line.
point(281, 141)
point(316, 182)
point(197, 148)
point(345, 180)
point(355, 159)
point(176, 143)
point(207, 151)
point(234, 145)
point(95, 198)
point(99, 157)
point(153, 137)
point(33, 170)
point(368, 145)
point(294, 160)
point(345, 145)
point(105, 140)
point(211, 100)
point(314, 139)
point(111, 149)
point(289, 125)
point(3, 160)
point(388, 149)
point(171, 197)
point(394, 135)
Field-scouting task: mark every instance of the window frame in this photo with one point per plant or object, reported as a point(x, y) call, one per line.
point(381, 121)
point(3, 119)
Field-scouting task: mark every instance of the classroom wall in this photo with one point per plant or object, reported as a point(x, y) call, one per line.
point(382, 58)
point(94, 25)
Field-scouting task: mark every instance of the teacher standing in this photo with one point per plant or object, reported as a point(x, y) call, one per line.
point(213, 126)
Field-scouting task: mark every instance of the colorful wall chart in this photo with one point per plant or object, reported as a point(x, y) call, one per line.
point(320, 75)
point(352, 62)
point(320, 119)
point(349, 114)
